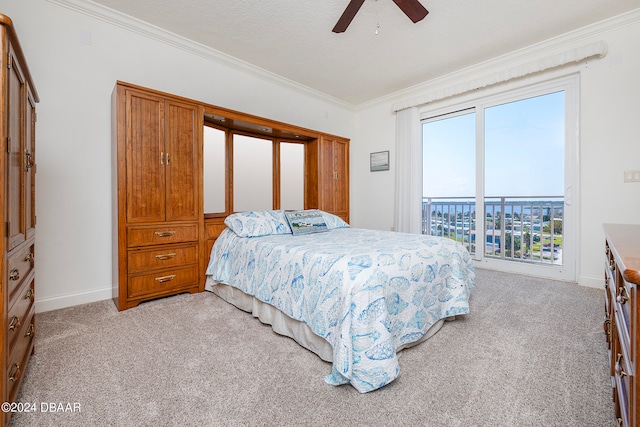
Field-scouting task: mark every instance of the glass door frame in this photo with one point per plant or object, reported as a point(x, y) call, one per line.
point(494, 96)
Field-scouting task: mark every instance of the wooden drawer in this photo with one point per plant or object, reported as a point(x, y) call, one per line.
point(622, 308)
point(622, 388)
point(162, 281)
point(159, 235)
point(140, 260)
point(19, 356)
point(18, 313)
point(19, 265)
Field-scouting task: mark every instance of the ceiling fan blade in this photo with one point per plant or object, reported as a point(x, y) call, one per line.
point(413, 9)
point(347, 16)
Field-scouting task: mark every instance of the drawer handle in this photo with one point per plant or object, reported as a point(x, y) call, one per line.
point(15, 371)
point(31, 330)
point(166, 278)
point(607, 326)
point(165, 233)
point(15, 322)
point(29, 257)
point(619, 371)
point(14, 274)
point(165, 257)
point(622, 296)
point(29, 294)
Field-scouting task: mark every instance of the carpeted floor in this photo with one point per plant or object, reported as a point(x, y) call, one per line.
point(532, 352)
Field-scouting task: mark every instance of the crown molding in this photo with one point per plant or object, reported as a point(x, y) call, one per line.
point(129, 23)
point(536, 52)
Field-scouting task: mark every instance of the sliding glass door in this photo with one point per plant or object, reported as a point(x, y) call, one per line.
point(499, 177)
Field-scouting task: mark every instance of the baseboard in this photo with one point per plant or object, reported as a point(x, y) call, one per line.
point(591, 282)
point(69, 300)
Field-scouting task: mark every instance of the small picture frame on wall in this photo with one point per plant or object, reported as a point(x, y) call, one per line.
point(379, 161)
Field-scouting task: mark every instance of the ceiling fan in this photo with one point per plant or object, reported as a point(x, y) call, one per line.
point(412, 8)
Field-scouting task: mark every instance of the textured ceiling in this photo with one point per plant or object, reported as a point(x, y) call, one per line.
point(293, 38)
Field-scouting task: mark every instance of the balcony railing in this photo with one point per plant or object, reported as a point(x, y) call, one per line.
point(527, 229)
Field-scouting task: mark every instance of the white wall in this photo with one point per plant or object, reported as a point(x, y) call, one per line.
point(75, 81)
point(609, 140)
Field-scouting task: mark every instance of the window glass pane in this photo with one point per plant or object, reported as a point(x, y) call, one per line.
point(524, 147)
point(252, 173)
point(449, 177)
point(214, 170)
point(291, 176)
point(449, 156)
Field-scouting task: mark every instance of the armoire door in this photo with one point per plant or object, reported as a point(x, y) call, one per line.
point(341, 179)
point(30, 166)
point(334, 172)
point(15, 185)
point(182, 162)
point(145, 171)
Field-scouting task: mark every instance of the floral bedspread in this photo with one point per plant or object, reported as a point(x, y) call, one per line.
point(366, 292)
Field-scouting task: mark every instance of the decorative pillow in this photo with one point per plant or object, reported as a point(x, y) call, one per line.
point(306, 222)
point(258, 223)
point(333, 221)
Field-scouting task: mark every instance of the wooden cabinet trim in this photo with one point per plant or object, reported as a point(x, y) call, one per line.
point(19, 99)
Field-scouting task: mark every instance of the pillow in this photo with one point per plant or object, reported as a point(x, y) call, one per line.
point(333, 221)
point(306, 222)
point(258, 223)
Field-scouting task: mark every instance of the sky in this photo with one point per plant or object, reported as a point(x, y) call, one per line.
point(524, 150)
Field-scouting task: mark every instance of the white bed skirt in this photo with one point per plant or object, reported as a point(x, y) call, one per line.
point(284, 325)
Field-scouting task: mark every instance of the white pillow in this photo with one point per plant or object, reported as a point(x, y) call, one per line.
point(258, 223)
point(333, 221)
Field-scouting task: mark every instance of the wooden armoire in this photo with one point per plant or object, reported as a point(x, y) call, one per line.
point(18, 106)
point(327, 172)
point(161, 235)
point(158, 206)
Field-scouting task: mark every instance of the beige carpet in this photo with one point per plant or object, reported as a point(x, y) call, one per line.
point(531, 353)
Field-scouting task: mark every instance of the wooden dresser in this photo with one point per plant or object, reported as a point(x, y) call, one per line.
point(158, 205)
point(19, 98)
point(622, 279)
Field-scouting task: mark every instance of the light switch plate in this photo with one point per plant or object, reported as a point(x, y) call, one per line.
point(631, 176)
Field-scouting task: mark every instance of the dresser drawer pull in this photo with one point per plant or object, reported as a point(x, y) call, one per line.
point(622, 296)
point(165, 257)
point(15, 322)
point(607, 327)
point(29, 257)
point(166, 278)
point(15, 371)
point(14, 274)
point(619, 371)
point(165, 233)
point(31, 330)
point(29, 294)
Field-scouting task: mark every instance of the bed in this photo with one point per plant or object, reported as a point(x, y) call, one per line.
point(352, 296)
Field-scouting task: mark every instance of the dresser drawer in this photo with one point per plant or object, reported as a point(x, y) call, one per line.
point(18, 313)
point(623, 387)
point(162, 281)
point(19, 265)
point(19, 355)
point(159, 235)
point(140, 260)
